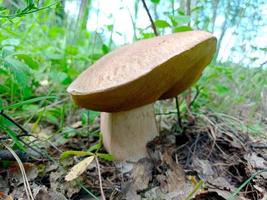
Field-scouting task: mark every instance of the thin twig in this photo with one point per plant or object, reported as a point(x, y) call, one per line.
point(28, 10)
point(15, 123)
point(24, 176)
point(259, 146)
point(179, 121)
point(4, 137)
point(195, 97)
point(100, 179)
point(26, 133)
point(150, 18)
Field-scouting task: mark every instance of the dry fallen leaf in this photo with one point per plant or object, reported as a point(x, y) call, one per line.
point(14, 173)
point(79, 168)
point(140, 177)
point(9, 198)
point(255, 161)
point(42, 193)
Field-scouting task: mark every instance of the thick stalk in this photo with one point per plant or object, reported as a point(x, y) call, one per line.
point(125, 134)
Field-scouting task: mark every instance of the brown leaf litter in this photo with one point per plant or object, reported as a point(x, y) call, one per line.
point(209, 161)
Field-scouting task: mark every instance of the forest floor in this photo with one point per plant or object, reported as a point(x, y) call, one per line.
point(210, 160)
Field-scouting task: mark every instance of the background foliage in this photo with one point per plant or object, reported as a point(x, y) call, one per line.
point(43, 48)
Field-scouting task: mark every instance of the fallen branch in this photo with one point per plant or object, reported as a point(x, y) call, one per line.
point(100, 179)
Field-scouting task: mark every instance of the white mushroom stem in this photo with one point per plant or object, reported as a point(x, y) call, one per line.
point(125, 134)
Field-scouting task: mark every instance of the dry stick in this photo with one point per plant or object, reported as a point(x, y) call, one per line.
point(156, 33)
point(24, 176)
point(100, 179)
point(15, 123)
point(25, 132)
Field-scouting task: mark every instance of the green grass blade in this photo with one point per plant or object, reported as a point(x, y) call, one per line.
point(86, 190)
point(196, 188)
point(15, 139)
point(232, 196)
point(67, 154)
point(29, 101)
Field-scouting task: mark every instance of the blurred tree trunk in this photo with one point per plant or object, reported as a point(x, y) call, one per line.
point(215, 4)
point(188, 8)
point(182, 4)
point(78, 23)
point(172, 7)
point(136, 4)
point(223, 28)
point(156, 16)
point(230, 17)
point(83, 13)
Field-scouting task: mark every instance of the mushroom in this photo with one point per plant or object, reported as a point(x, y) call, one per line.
point(125, 83)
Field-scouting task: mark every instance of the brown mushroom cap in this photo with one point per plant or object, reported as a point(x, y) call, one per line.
point(143, 72)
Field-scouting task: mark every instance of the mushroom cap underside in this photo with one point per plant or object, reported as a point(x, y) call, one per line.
point(143, 72)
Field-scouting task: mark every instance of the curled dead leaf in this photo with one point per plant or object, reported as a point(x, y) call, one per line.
point(79, 168)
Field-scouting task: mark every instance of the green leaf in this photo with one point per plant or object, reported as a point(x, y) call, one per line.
point(2, 8)
point(162, 24)
point(11, 42)
point(88, 113)
point(222, 90)
point(97, 146)
point(58, 77)
point(30, 108)
point(28, 60)
point(182, 29)
point(54, 56)
point(95, 56)
point(110, 27)
point(197, 8)
point(4, 122)
point(93, 115)
point(29, 101)
point(19, 70)
point(55, 32)
point(155, 1)
point(173, 21)
point(67, 154)
point(71, 50)
point(26, 92)
point(15, 139)
point(182, 19)
point(105, 156)
point(30, 2)
point(7, 51)
point(148, 35)
point(105, 49)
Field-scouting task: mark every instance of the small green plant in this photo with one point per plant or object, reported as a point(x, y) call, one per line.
point(31, 7)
